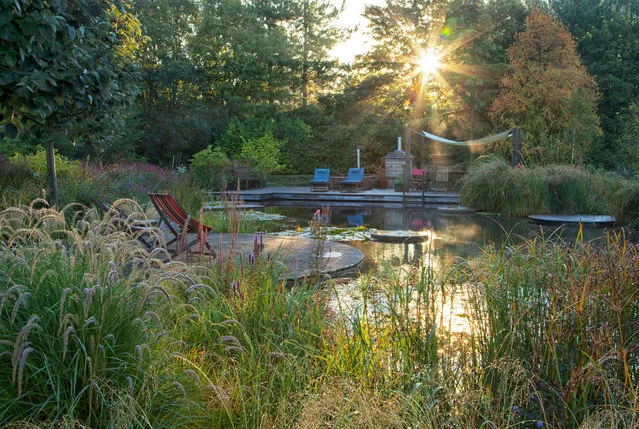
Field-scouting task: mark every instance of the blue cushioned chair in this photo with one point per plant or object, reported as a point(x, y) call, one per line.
point(354, 179)
point(320, 181)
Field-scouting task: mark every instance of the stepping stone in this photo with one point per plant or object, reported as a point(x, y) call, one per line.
point(399, 236)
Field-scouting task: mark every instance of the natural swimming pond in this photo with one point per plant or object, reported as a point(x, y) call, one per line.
point(449, 238)
point(449, 234)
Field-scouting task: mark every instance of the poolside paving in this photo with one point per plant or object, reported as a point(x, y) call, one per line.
point(296, 253)
point(384, 196)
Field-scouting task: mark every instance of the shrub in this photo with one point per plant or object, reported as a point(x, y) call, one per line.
point(264, 153)
point(210, 167)
point(17, 182)
point(63, 166)
point(626, 205)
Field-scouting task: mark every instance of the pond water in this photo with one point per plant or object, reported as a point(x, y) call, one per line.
point(449, 238)
point(450, 235)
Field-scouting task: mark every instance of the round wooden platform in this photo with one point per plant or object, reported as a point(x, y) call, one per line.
point(398, 236)
point(588, 220)
point(221, 207)
point(296, 253)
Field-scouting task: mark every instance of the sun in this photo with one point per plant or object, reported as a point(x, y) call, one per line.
point(429, 62)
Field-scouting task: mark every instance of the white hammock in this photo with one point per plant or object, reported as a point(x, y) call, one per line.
point(485, 140)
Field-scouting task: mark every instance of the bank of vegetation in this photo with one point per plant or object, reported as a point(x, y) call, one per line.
point(495, 187)
point(96, 331)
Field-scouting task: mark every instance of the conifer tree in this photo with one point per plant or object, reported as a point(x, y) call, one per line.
point(547, 91)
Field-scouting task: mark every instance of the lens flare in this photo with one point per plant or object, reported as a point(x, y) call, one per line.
point(429, 62)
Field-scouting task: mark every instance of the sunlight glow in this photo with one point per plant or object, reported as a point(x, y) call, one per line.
point(429, 62)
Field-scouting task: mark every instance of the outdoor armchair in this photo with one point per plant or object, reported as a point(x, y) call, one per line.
point(320, 180)
point(354, 179)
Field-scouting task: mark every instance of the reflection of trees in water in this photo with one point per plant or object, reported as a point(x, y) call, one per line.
point(458, 233)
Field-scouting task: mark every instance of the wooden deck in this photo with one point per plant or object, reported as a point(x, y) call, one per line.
point(296, 253)
point(276, 195)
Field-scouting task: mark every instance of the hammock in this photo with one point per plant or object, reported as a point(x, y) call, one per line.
point(476, 142)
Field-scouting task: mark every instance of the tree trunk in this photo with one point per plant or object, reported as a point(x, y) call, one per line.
point(305, 57)
point(53, 181)
point(517, 139)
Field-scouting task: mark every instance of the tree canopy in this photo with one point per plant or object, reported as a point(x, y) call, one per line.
point(64, 64)
point(547, 91)
point(162, 80)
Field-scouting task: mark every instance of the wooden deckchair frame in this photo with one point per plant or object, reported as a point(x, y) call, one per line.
point(173, 214)
point(140, 228)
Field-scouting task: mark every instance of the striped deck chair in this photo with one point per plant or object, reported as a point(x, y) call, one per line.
point(176, 219)
point(144, 230)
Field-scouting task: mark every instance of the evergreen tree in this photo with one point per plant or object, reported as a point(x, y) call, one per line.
point(607, 33)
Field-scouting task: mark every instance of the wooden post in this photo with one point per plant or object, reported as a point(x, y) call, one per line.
point(517, 139)
point(406, 179)
point(53, 181)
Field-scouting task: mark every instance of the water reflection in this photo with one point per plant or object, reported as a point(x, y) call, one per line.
point(456, 231)
point(394, 272)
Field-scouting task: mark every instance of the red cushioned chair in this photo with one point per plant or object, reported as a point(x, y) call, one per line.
point(175, 217)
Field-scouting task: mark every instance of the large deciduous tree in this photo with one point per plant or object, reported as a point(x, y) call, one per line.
point(63, 62)
point(547, 91)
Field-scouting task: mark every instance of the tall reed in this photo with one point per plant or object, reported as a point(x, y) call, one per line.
point(495, 187)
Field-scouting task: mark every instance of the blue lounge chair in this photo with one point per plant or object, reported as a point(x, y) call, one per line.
point(320, 181)
point(355, 220)
point(354, 179)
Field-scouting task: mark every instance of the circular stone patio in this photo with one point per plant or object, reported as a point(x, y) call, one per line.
point(295, 252)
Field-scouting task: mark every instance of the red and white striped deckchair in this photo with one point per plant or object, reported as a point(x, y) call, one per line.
point(174, 217)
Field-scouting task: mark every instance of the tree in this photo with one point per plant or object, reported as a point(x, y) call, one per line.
point(607, 33)
point(477, 36)
point(314, 34)
point(547, 91)
point(63, 62)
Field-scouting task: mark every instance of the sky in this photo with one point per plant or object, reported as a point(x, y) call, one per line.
point(351, 17)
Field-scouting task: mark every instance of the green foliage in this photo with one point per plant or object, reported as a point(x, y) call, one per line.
point(607, 33)
point(628, 141)
point(62, 61)
point(264, 153)
point(22, 145)
point(626, 205)
point(38, 163)
point(495, 187)
point(210, 167)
